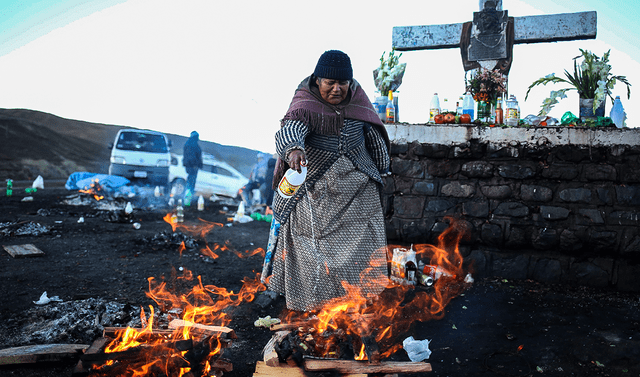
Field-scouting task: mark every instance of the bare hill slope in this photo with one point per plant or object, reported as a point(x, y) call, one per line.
point(35, 143)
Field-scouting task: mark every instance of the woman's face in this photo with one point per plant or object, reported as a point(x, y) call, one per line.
point(333, 91)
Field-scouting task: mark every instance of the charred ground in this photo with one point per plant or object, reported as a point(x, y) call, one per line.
point(497, 327)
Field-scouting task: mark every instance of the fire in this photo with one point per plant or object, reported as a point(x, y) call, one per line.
point(374, 324)
point(94, 189)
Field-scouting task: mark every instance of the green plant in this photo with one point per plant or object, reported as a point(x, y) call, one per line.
point(486, 86)
point(592, 79)
point(389, 75)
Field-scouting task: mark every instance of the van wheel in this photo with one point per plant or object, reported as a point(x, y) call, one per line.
point(179, 186)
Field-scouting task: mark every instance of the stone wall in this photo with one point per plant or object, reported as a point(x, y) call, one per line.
point(553, 204)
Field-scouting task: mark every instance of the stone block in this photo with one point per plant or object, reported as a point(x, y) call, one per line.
point(575, 195)
point(403, 185)
point(439, 205)
point(554, 213)
point(416, 231)
point(601, 172)
point(513, 209)
point(496, 192)
point(627, 277)
point(443, 168)
point(408, 206)
point(427, 188)
point(605, 195)
point(576, 154)
point(458, 190)
point(570, 241)
point(491, 234)
point(476, 263)
point(605, 241)
point(545, 239)
point(631, 243)
point(517, 238)
point(496, 151)
point(624, 218)
point(547, 271)
point(629, 173)
point(435, 150)
point(535, 193)
point(592, 273)
point(516, 171)
point(510, 266)
point(398, 148)
point(407, 168)
point(476, 209)
point(478, 169)
point(629, 195)
point(589, 216)
point(565, 172)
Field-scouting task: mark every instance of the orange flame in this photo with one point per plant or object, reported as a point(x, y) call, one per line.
point(383, 319)
point(94, 189)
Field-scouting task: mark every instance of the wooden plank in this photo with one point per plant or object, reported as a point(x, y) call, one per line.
point(196, 332)
point(221, 330)
point(270, 356)
point(282, 370)
point(40, 353)
point(354, 366)
point(22, 251)
point(528, 29)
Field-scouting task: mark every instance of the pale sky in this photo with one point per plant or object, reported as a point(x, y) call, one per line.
point(228, 69)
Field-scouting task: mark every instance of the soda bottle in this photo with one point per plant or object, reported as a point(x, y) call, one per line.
point(391, 110)
point(9, 187)
point(434, 107)
point(180, 212)
point(291, 181)
point(468, 105)
point(499, 113)
point(187, 198)
point(512, 116)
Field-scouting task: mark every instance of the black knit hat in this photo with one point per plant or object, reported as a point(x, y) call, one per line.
point(334, 64)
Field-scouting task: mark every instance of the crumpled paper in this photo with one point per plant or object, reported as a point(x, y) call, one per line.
point(417, 350)
point(44, 300)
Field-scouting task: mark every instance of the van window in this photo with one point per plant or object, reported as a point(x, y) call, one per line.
point(142, 142)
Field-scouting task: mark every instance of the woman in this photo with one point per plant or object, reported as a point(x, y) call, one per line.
point(332, 229)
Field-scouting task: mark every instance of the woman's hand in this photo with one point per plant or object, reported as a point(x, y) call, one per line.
point(297, 159)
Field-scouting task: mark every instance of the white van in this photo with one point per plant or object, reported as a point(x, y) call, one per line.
point(142, 156)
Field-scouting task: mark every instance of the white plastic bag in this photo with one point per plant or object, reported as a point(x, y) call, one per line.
point(417, 350)
point(38, 183)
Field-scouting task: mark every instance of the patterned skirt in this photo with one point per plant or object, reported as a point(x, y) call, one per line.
point(335, 234)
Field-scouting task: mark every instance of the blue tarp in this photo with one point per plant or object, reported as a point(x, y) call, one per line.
point(83, 181)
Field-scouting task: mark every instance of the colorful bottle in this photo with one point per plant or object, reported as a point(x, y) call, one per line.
point(499, 113)
point(434, 107)
point(9, 187)
point(391, 109)
point(459, 106)
point(291, 181)
point(468, 105)
point(187, 198)
point(512, 116)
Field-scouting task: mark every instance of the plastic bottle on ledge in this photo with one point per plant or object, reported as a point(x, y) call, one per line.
point(459, 106)
point(434, 107)
point(391, 110)
point(512, 116)
point(499, 113)
point(468, 105)
point(291, 181)
point(180, 212)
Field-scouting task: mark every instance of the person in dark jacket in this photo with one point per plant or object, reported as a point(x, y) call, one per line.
point(192, 160)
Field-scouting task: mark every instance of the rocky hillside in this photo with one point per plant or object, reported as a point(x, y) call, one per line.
point(34, 143)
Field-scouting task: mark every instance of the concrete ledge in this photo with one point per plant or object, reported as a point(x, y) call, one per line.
point(444, 134)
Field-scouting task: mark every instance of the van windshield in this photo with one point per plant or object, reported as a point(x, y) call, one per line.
point(142, 142)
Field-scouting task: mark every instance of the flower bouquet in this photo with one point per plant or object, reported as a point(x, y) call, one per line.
point(389, 75)
point(592, 79)
point(486, 87)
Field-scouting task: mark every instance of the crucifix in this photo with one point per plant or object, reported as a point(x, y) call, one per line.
point(488, 40)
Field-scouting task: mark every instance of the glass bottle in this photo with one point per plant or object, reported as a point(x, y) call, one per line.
point(391, 109)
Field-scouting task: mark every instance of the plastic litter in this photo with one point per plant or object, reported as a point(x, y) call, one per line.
point(27, 199)
point(136, 226)
point(266, 321)
point(417, 350)
point(38, 183)
point(81, 220)
point(128, 209)
point(44, 299)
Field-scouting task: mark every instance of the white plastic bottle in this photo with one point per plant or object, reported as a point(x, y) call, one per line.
point(200, 203)
point(291, 181)
point(434, 107)
point(512, 116)
point(180, 212)
point(468, 105)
